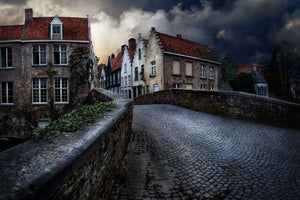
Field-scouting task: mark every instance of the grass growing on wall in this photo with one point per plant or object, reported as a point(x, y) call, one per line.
point(74, 120)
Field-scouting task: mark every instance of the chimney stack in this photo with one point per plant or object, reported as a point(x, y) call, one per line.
point(179, 36)
point(28, 15)
point(112, 55)
point(123, 48)
point(132, 44)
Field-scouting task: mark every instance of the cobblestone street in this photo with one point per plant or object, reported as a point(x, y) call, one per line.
point(176, 153)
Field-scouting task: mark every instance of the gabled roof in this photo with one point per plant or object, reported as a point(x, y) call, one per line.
point(73, 28)
point(249, 68)
point(145, 42)
point(185, 47)
point(100, 67)
point(116, 63)
point(131, 55)
point(11, 32)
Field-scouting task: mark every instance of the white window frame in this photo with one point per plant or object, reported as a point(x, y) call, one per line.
point(60, 29)
point(6, 90)
point(40, 53)
point(61, 89)
point(202, 71)
point(153, 68)
point(203, 86)
point(211, 87)
point(155, 88)
point(39, 89)
point(129, 80)
point(176, 85)
point(6, 58)
point(211, 73)
point(125, 68)
point(60, 54)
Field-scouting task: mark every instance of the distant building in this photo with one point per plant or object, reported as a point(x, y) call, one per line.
point(47, 68)
point(113, 73)
point(102, 75)
point(138, 67)
point(261, 85)
point(174, 62)
point(126, 70)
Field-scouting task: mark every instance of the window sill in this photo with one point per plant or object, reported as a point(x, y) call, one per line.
point(39, 104)
point(61, 103)
point(39, 65)
point(152, 76)
point(187, 76)
point(211, 79)
point(60, 65)
point(6, 68)
point(203, 78)
point(178, 75)
point(7, 105)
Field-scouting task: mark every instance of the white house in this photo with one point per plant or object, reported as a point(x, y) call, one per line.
point(126, 70)
point(138, 77)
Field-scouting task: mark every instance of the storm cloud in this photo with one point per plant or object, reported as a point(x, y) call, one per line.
point(246, 28)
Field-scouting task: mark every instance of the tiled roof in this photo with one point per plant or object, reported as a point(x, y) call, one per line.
point(73, 28)
point(145, 42)
point(185, 47)
point(249, 68)
point(100, 67)
point(11, 32)
point(116, 63)
point(131, 55)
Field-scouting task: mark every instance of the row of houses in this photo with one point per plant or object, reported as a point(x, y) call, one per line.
point(161, 62)
point(47, 68)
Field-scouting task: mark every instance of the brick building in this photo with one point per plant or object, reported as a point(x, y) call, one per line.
point(47, 68)
point(174, 62)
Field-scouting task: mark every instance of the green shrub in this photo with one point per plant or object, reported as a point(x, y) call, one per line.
point(75, 120)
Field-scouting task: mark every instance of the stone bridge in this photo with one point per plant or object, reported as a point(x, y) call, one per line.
point(220, 152)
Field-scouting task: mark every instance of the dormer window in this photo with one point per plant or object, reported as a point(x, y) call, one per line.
point(56, 29)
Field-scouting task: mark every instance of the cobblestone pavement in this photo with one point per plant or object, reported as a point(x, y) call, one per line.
point(177, 153)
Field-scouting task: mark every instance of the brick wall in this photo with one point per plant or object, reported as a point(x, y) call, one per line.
point(236, 105)
point(81, 165)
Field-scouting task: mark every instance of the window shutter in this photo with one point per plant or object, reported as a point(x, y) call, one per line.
point(188, 69)
point(176, 67)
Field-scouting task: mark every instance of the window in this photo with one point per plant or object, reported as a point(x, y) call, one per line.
point(119, 77)
point(176, 67)
point(110, 80)
point(125, 81)
point(136, 73)
point(61, 87)
point(122, 84)
point(153, 68)
point(129, 80)
point(142, 73)
point(262, 90)
point(211, 87)
point(39, 55)
point(188, 69)
point(39, 90)
point(176, 85)
point(211, 73)
point(202, 71)
point(6, 57)
point(56, 29)
point(203, 86)
point(60, 55)
point(140, 55)
point(155, 87)
point(7, 93)
point(114, 78)
point(125, 68)
point(189, 86)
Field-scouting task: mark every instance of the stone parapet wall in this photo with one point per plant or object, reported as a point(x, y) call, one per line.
point(236, 105)
point(80, 165)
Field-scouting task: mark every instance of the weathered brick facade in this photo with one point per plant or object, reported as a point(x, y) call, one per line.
point(20, 117)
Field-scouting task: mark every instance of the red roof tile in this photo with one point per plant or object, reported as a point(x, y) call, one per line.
point(100, 67)
point(145, 42)
point(11, 32)
point(73, 28)
point(116, 63)
point(249, 68)
point(186, 47)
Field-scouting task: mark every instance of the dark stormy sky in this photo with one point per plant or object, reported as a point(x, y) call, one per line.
point(246, 28)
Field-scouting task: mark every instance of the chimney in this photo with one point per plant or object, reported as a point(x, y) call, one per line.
point(132, 44)
point(28, 15)
point(178, 36)
point(123, 48)
point(112, 55)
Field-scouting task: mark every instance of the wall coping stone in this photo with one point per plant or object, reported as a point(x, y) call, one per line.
point(37, 168)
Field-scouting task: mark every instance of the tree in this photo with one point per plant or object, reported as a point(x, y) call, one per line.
point(280, 65)
point(229, 67)
point(243, 82)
